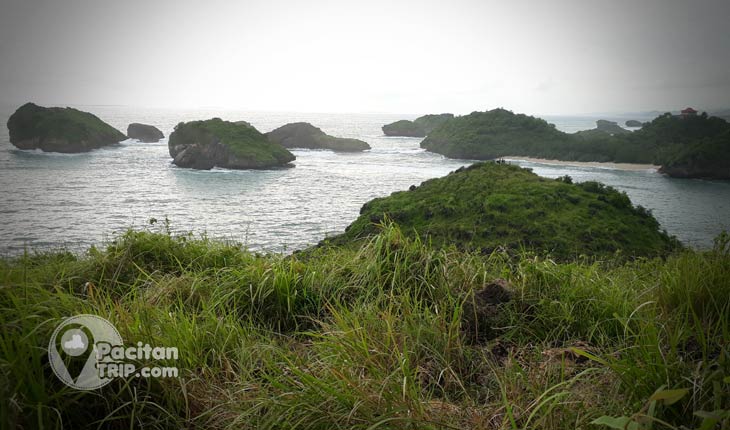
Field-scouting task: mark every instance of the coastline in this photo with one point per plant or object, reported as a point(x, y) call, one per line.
point(605, 165)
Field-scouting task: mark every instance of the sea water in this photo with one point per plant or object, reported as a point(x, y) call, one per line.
point(77, 200)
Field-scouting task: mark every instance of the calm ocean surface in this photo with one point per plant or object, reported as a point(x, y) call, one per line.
point(54, 200)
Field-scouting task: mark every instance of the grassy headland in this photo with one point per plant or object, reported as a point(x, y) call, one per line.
point(488, 206)
point(393, 333)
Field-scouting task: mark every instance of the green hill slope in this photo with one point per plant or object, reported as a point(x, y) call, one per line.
point(490, 205)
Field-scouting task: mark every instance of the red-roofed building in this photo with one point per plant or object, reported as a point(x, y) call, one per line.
point(688, 112)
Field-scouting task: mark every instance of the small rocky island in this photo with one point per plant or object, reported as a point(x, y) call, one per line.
point(603, 128)
point(420, 127)
point(217, 143)
point(58, 129)
point(404, 128)
point(144, 132)
point(306, 136)
point(633, 123)
point(610, 127)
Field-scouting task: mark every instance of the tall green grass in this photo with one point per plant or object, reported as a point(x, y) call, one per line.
point(372, 336)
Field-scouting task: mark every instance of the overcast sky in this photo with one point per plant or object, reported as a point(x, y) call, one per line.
point(539, 57)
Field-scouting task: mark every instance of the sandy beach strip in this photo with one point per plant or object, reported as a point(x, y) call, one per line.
point(616, 166)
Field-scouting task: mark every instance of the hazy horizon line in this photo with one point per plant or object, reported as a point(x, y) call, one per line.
point(17, 104)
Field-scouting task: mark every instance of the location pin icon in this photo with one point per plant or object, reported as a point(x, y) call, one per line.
point(72, 353)
point(75, 347)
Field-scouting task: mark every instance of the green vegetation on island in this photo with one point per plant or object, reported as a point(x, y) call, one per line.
point(707, 157)
point(419, 127)
point(392, 334)
point(698, 144)
point(58, 129)
point(490, 206)
point(688, 147)
point(494, 134)
point(307, 136)
point(217, 143)
point(633, 123)
point(144, 132)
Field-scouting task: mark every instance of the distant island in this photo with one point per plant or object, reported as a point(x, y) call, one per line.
point(144, 132)
point(610, 127)
point(603, 128)
point(217, 143)
point(419, 127)
point(306, 136)
point(491, 205)
point(633, 123)
point(56, 129)
point(687, 145)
